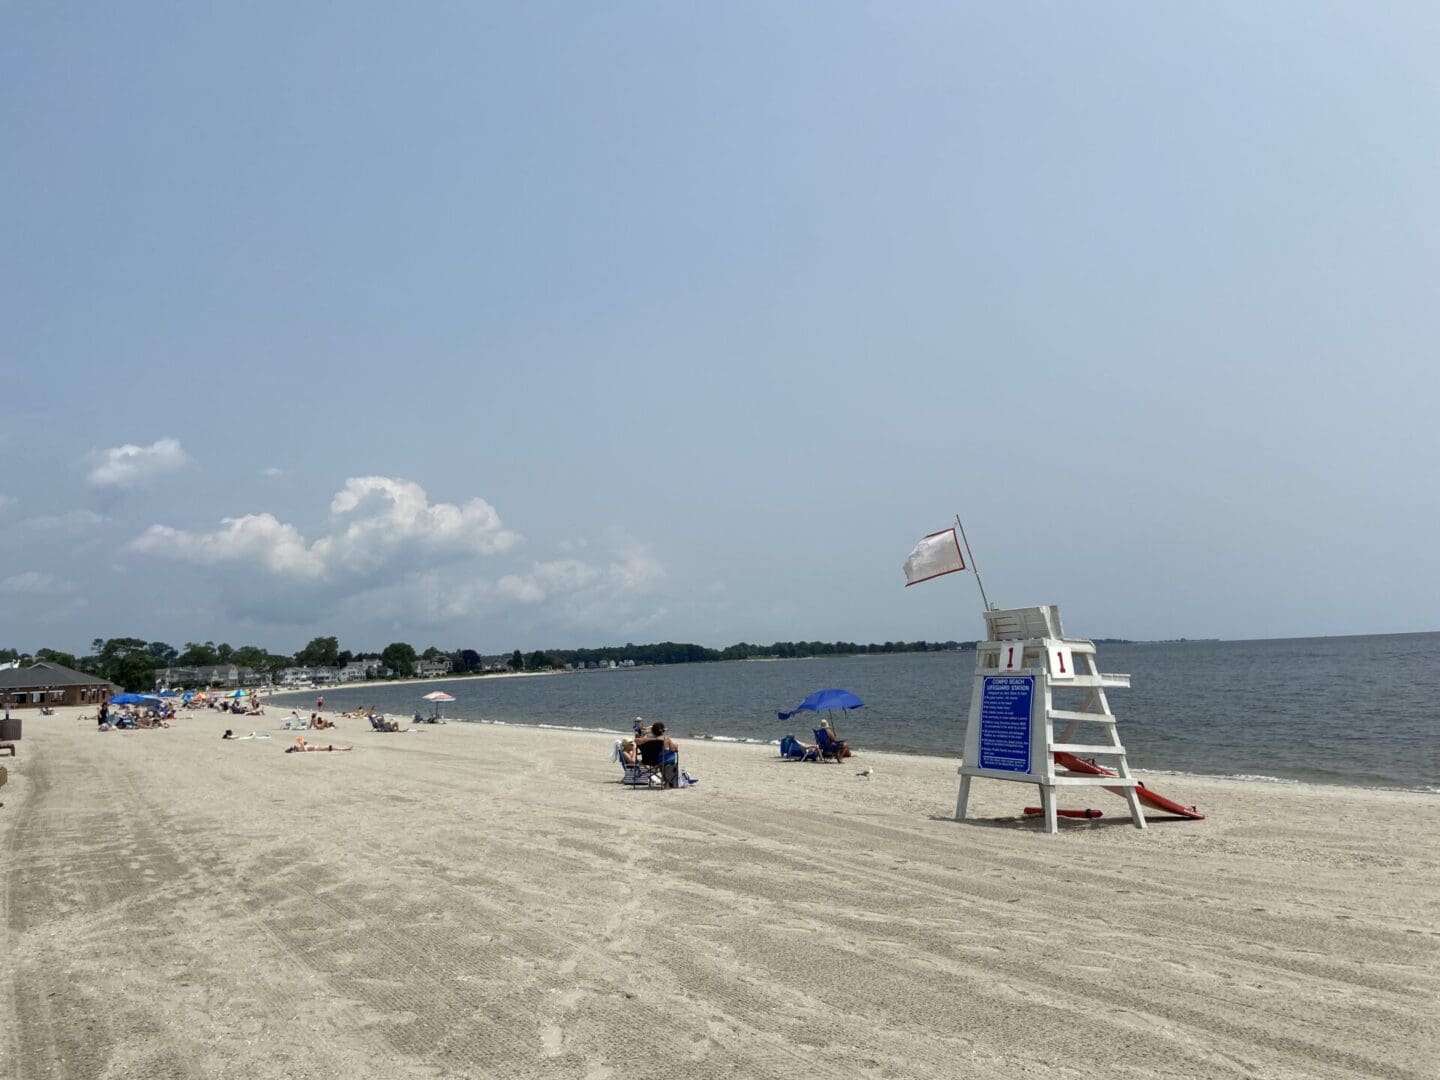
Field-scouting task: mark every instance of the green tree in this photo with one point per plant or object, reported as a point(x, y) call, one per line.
point(55, 656)
point(399, 658)
point(134, 671)
point(197, 655)
point(128, 662)
point(467, 660)
point(321, 652)
point(516, 661)
point(434, 653)
point(225, 653)
point(163, 653)
point(538, 661)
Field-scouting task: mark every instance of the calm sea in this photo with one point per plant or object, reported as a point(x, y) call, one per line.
point(1353, 710)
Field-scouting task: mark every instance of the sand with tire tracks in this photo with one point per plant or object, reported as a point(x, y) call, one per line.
point(470, 900)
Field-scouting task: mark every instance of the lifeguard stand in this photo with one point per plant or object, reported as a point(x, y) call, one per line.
point(1024, 664)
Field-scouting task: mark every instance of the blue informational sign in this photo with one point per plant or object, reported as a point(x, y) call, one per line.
point(1005, 722)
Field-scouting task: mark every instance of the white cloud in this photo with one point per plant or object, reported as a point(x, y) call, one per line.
point(616, 593)
point(273, 471)
point(258, 540)
point(380, 528)
point(389, 554)
point(34, 583)
point(6, 500)
point(130, 465)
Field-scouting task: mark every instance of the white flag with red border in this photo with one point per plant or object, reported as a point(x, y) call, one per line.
point(934, 555)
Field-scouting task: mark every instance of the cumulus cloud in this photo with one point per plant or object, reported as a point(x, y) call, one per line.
point(130, 465)
point(379, 530)
point(388, 553)
point(272, 471)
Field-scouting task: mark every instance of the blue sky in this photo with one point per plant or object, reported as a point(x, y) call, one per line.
point(576, 324)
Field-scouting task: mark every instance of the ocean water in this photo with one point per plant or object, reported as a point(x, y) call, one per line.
point(1361, 711)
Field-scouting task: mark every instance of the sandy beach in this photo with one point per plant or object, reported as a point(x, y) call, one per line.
point(473, 900)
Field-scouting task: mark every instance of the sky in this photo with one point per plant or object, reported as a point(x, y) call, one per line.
point(560, 325)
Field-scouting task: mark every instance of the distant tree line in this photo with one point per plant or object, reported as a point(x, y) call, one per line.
point(133, 662)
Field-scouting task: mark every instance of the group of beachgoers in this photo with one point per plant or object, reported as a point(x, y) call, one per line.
point(651, 755)
point(132, 718)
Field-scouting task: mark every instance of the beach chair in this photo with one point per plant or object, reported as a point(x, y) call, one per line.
point(379, 723)
point(657, 761)
point(831, 748)
point(792, 749)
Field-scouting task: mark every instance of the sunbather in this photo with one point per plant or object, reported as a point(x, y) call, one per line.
point(302, 747)
point(319, 723)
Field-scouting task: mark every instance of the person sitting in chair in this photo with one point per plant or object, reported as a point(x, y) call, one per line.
point(841, 747)
point(379, 723)
point(657, 748)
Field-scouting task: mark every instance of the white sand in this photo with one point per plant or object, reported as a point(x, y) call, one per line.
point(483, 901)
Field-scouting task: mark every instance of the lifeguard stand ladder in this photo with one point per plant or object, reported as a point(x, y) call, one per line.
point(1019, 669)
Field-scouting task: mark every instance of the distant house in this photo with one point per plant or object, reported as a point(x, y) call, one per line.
point(51, 684)
point(356, 670)
point(429, 668)
point(177, 676)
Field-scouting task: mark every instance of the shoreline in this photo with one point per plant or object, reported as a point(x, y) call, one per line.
point(477, 899)
point(369, 684)
point(1181, 775)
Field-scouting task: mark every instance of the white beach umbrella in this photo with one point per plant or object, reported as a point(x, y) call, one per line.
point(437, 696)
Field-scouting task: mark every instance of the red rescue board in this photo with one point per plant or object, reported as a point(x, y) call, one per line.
point(1148, 797)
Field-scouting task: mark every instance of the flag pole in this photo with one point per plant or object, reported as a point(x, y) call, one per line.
point(983, 598)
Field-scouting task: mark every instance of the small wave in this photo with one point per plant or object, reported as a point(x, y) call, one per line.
point(734, 739)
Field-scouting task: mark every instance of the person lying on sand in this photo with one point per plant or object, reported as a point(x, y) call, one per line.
point(302, 747)
point(319, 723)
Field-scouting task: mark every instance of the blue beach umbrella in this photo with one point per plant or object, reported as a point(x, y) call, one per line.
point(238, 693)
point(825, 701)
point(133, 699)
point(169, 693)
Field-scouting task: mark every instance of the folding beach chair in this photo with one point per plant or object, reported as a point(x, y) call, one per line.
point(792, 749)
point(657, 761)
point(831, 748)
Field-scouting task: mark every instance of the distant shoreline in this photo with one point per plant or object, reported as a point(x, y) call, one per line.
point(320, 691)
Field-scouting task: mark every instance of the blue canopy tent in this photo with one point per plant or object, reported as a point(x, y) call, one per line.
point(168, 693)
point(133, 699)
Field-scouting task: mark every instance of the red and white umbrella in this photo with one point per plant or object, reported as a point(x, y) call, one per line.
point(438, 695)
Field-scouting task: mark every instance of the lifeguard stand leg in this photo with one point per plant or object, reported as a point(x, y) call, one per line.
point(964, 798)
point(1137, 813)
point(1047, 803)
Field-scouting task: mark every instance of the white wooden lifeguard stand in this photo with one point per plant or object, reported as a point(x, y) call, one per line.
point(1024, 661)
